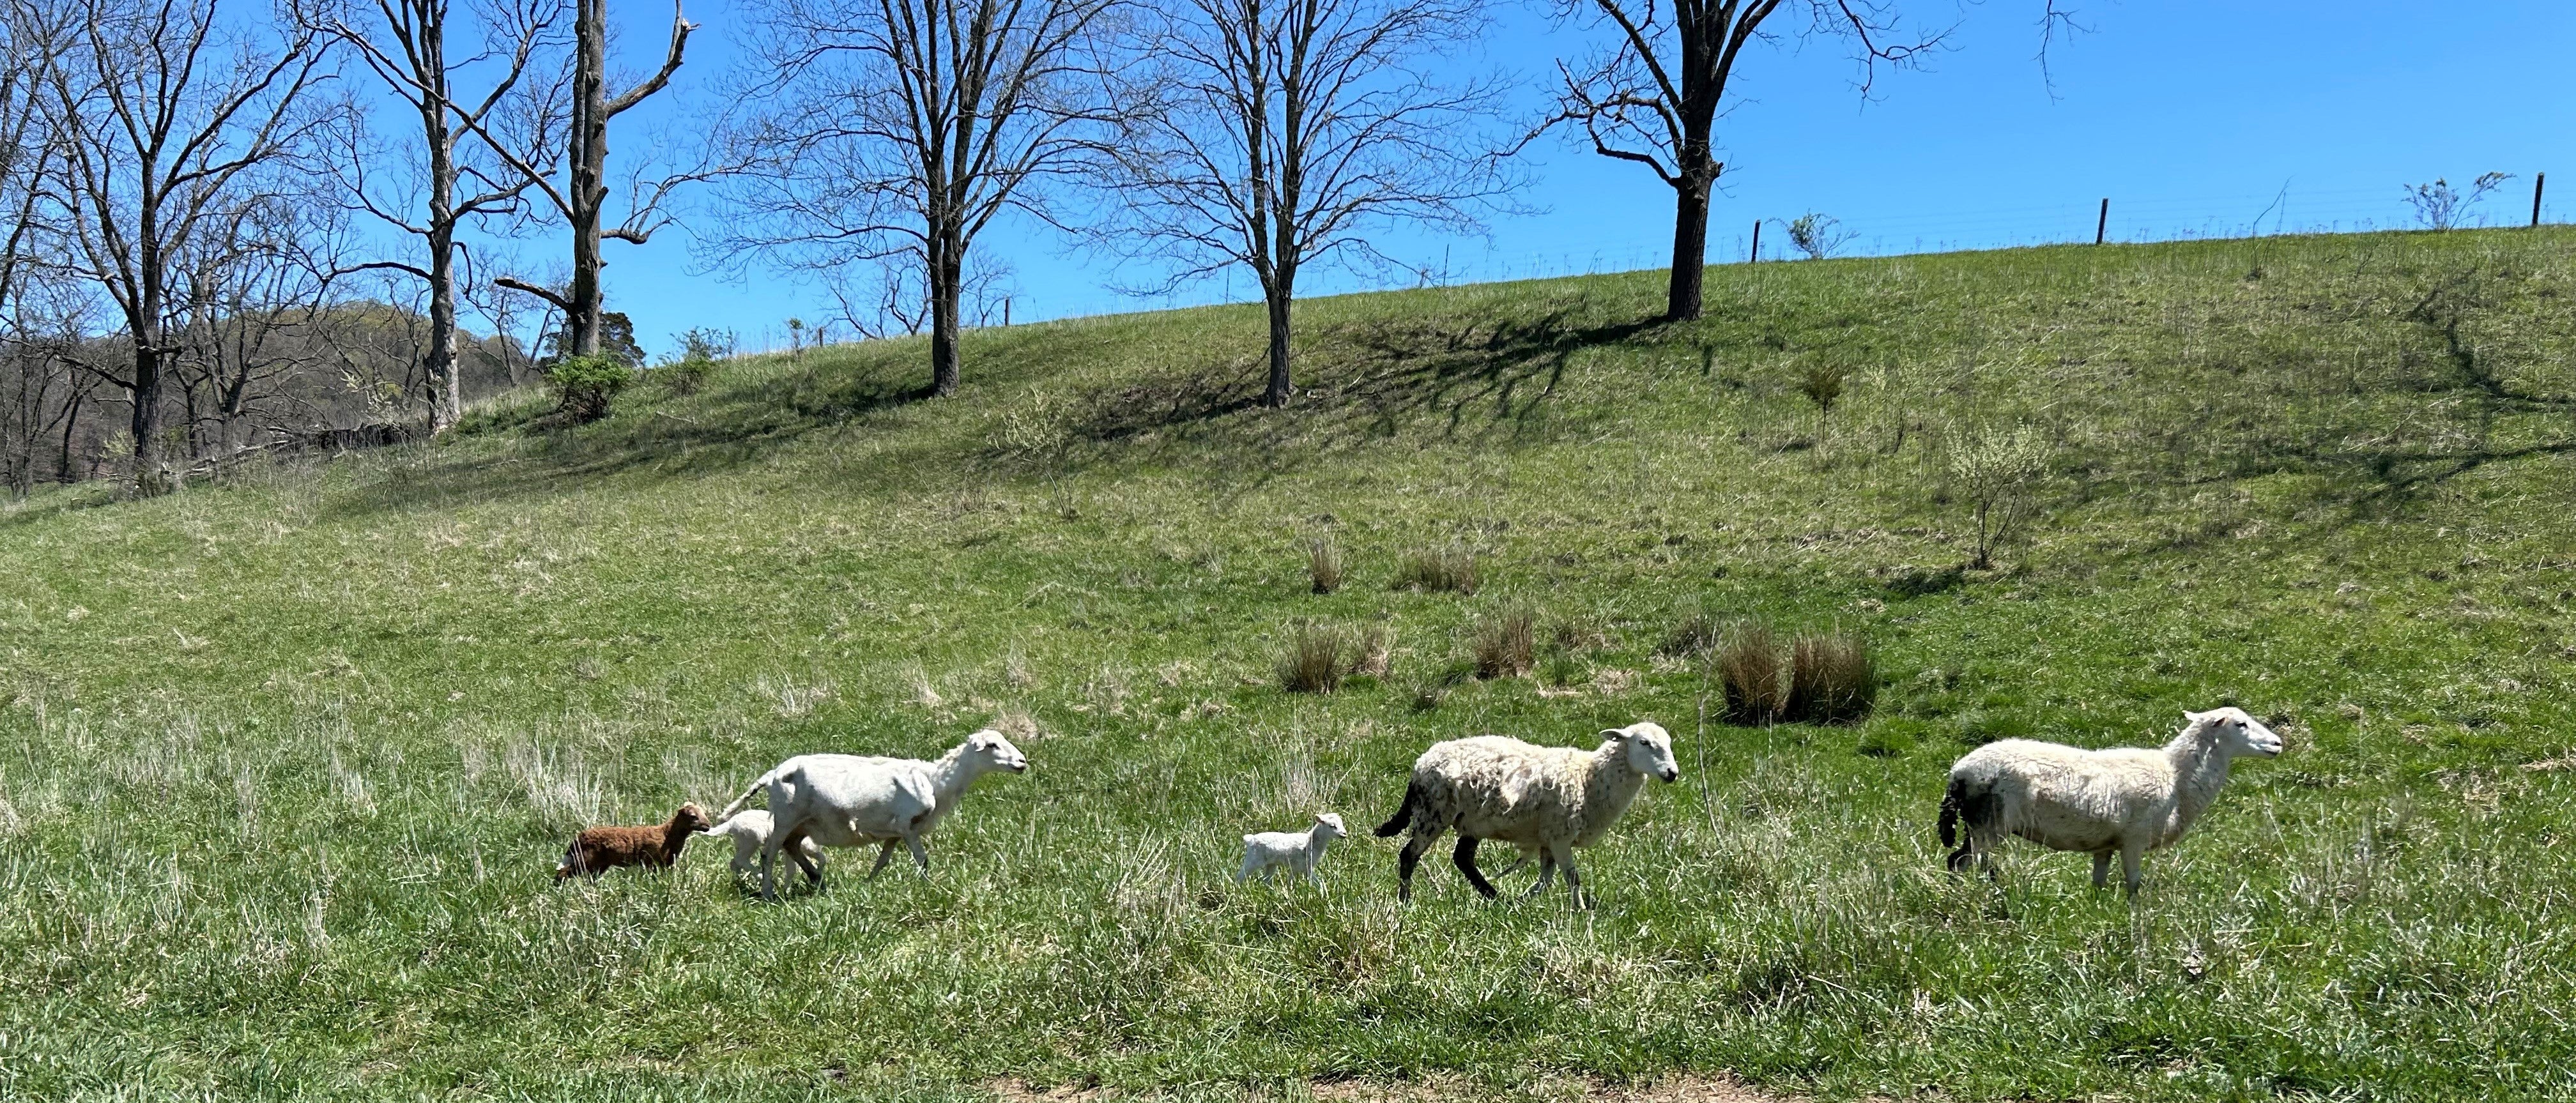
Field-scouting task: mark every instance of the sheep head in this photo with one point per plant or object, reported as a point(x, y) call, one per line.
point(1329, 826)
point(690, 818)
point(994, 752)
point(2235, 732)
point(1649, 749)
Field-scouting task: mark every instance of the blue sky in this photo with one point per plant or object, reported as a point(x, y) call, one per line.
point(2193, 116)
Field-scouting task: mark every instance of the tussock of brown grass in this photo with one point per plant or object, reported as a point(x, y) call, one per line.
point(1748, 669)
point(1324, 565)
point(1831, 679)
point(1377, 651)
point(1314, 660)
point(1506, 644)
point(1439, 570)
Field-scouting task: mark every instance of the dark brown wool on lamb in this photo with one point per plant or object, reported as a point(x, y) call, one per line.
point(599, 849)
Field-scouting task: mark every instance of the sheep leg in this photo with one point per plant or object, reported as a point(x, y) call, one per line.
point(920, 857)
point(1546, 872)
point(1465, 858)
point(768, 862)
point(795, 848)
point(2101, 869)
point(1414, 848)
point(2131, 851)
point(1564, 856)
point(884, 854)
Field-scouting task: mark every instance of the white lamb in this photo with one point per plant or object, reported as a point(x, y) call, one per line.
point(855, 800)
point(749, 830)
point(1299, 851)
point(1547, 800)
point(2128, 800)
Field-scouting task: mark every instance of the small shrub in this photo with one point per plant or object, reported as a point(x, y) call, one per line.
point(1998, 472)
point(1324, 565)
point(1748, 670)
point(584, 385)
point(1831, 680)
point(1506, 644)
point(1822, 382)
point(2439, 206)
point(1439, 570)
point(1315, 659)
point(700, 351)
point(1818, 234)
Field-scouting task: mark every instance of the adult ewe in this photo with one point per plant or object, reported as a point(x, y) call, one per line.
point(855, 800)
point(1547, 800)
point(2128, 799)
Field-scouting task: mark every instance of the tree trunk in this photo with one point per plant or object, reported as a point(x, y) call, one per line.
point(589, 168)
point(146, 424)
point(947, 274)
point(446, 400)
point(1281, 302)
point(1690, 249)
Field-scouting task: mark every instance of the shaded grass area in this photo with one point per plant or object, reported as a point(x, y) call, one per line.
point(284, 763)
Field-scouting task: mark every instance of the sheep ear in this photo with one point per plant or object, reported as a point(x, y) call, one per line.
point(1614, 733)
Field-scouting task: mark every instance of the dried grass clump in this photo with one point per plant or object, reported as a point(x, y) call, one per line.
point(1439, 570)
point(1819, 678)
point(1748, 670)
point(1324, 565)
point(1506, 644)
point(1831, 679)
point(1314, 659)
point(1377, 651)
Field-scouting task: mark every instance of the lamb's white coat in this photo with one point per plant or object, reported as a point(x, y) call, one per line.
point(2125, 800)
point(1299, 851)
point(856, 800)
point(1543, 800)
point(749, 829)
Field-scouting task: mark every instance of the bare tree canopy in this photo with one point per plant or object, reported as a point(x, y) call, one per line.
point(169, 114)
point(889, 133)
point(1654, 95)
point(1284, 132)
point(451, 176)
point(582, 198)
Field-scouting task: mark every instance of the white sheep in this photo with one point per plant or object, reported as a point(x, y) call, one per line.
point(855, 800)
point(1547, 800)
point(1300, 851)
point(2127, 800)
point(749, 829)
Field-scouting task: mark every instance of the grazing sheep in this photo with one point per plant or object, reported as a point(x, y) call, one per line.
point(855, 800)
point(749, 830)
point(2127, 800)
point(1300, 851)
point(1547, 800)
point(599, 849)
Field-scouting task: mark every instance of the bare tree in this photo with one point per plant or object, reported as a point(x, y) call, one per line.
point(895, 131)
point(35, 386)
point(583, 197)
point(166, 108)
point(1653, 98)
point(405, 44)
point(1285, 131)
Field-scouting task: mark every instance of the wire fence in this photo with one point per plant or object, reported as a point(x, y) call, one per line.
point(2286, 210)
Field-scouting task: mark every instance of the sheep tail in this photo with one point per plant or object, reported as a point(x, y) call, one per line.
point(1395, 824)
point(1950, 812)
point(727, 815)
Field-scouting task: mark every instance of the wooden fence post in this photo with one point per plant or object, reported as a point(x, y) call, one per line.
point(2537, 181)
point(2102, 222)
point(1755, 253)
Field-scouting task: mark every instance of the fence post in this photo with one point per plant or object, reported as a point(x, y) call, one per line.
point(2537, 180)
point(1006, 312)
point(2102, 222)
point(1755, 253)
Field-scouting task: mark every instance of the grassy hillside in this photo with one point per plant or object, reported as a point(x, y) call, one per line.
point(285, 763)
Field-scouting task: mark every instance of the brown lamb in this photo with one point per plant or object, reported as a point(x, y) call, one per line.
point(599, 849)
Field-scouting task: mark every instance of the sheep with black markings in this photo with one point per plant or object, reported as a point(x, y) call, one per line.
point(856, 800)
point(2126, 800)
point(1547, 800)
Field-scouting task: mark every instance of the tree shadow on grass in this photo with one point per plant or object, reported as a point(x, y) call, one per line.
point(1461, 378)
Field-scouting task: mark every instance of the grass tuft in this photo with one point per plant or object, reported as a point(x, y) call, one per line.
point(1314, 659)
point(1748, 670)
point(1449, 570)
point(1831, 680)
point(1323, 565)
point(1506, 643)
